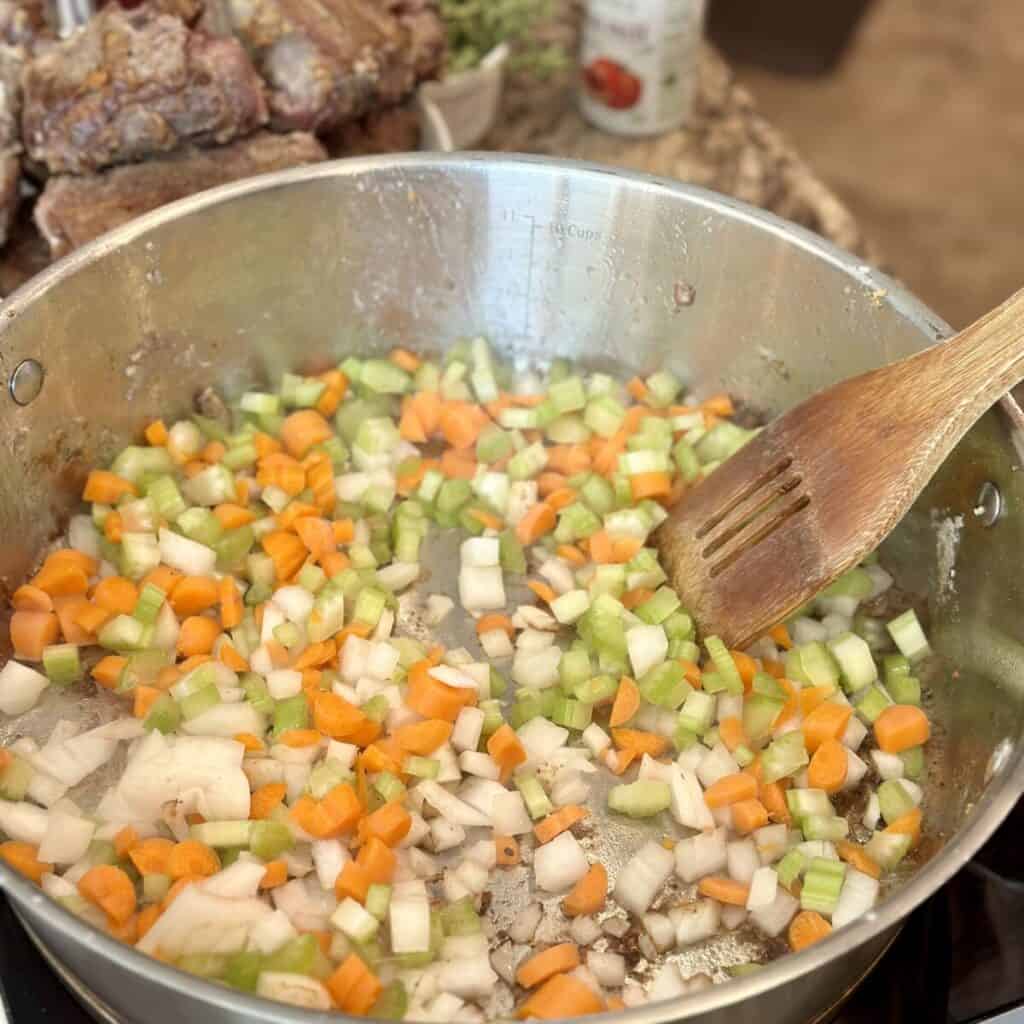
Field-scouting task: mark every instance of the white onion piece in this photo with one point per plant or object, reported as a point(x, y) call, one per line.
point(536, 669)
point(715, 765)
point(469, 979)
point(200, 922)
point(773, 919)
point(467, 730)
point(20, 687)
point(742, 860)
point(187, 556)
point(772, 842)
point(496, 644)
point(480, 552)
point(856, 769)
point(668, 984)
point(67, 838)
point(888, 766)
point(509, 816)
point(700, 855)
point(329, 857)
point(481, 589)
point(608, 968)
point(661, 931)
point(732, 917)
point(596, 739)
point(226, 721)
point(858, 895)
point(293, 989)
point(647, 646)
point(483, 766)
point(481, 794)
point(409, 920)
point(584, 930)
point(699, 921)
point(687, 800)
point(690, 758)
point(271, 932)
point(642, 878)
point(450, 807)
point(444, 835)
point(763, 886)
point(872, 812)
point(240, 880)
point(541, 738)
point(524, 925)
point(562, 863)
point(23, 822)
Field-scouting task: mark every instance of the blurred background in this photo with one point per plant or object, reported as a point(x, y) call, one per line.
point(912, 111)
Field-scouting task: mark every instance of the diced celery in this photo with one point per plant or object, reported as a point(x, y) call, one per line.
point(568, 429)
point(203, 965)
point(894, 800)
point(686, 460)
point(385, 378)
point(760, 712)
point(641, 799)
point(297, 956)
point(683, 738)
point(568, 395)
point(269, 839)
point(913, 762)
point(784, 757)
point(212, 486)
point(164, 715)
point(392, 1003)
point(887, 849)
point(528, 462)
point(493, 444)
point(375, 436)
point(494, 718)
point(805, 802)
point(697, 712)
point(376, 708)
point(149, 603)
point(196, 703)
point(815, 826)
point(123, 633)
point(823, 881)
point(140, 554)
point(378, 899)
point(812, 663)
point(311, 578)
point(608, 579)
point(510, 552)
point(537, 803)
point(596, 690)
point(725, 666)
point(871, 703)
point(604, 414)
point(598, 494)
point(575, 522)
point(155, 888)
point(422, 767)
point(257, 694)
point(722, 440)
point(908, 636)
point(855, 661)
point(233, 547)
point(201, 525)
point(665, 685)
point(15, 778)
point(222, 833)
point(856, 583)
point(572, 714)
point(166, 498)
point(134, 462)
point(662, 387)
point(460, 918)
point(574, 668)
point(62, 664)
point(370, 606)
point(291, 713)
point(658, 608)
point(790, 868)
point(325, 776)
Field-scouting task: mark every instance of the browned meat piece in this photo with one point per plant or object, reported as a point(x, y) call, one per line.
point(22, 22)
point(74, 210)
point(395, 130)
point(133, 84)
point(329, 62)
point(11, 64)
point(188, 10)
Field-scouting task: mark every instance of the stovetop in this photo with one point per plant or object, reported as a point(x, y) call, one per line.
point(958, 960)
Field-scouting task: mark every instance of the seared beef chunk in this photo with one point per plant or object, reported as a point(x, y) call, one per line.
point(11, 64)
point(73, 210)
point(395, 130)
point(23, 22)
point(329, 62)
point(132, 84)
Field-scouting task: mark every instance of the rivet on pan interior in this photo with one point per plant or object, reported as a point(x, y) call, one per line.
point(989, 506)
point(26, 382)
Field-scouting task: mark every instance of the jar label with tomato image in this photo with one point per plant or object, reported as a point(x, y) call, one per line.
point(638, 64)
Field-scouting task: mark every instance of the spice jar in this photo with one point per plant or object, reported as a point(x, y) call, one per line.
point(638, 64)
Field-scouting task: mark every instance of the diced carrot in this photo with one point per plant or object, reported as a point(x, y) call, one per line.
point(507, 749)
point(198, 635)
point(506, 851)
point(110, 889)
point(275, 874)
point(287, 552)
point(492, 621)
point(164, 578)
point(780, 636)
point(650, 485)
point(68, 610)
point(24, 858)
point(633, 598)
point(855, 856)
point(300, 738)
point(826, 722)
point(731, 732)
point(409, 426)
point(560, 997)
point(289, 517)
point(620, 760)
point(147, 917)
point(116, 594)
point(562, 498)
point(28, 598)
point(828, 767)
point(280, 470)
point(746, 666)
point(335, 814)
point(571, 554)
point(637, 389)
point(113, 528)
point(31, 632)
point(336, 717)
point(145, 697)
point(731, 789)
point(538, 521)
point(569, 459)
point(353, 882)
point(315, 655)
point(192, 857)
point(423, 738)
point(265, 798)
point(105, 488)
point(405, 360)
point(718, 405)
point(194, 594)
point(107, 671)
point(606, 461)
point(432, 698)
point(353, 986)
point(90, 618)
point(61, 580)
point(908, 824)
point(773, 796)
point(900, 727)
point(265, 444)
point(428, 406)
point(811, 697)
point(641, 742)
point(151, 856)
point(558, 822)
point(691, 672)
point(553, 960)
point(69, 558)
point(749, 815)
point(251, 742)
point(124, 931)
point(614, 1004)
point(390, 824)
point(232, 516)
point(458, 465)
point(589, 894)
point(807, 928)
point(317, 535)
point(213, 452)
point(487, 519)
point(124, 840)
point(724, 890)
point(377, 860)
point(550, 483)
point(334, 562)
point(627, 702)
point(410, 479)
point(228, 655)
point(461, 423)
point(382, 757)
point(303, 429)
point(156, 434)
point(542, 590)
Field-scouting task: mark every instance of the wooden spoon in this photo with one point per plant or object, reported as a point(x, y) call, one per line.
point(820, 487)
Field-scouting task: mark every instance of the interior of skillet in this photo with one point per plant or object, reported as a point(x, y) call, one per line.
point(544, 262)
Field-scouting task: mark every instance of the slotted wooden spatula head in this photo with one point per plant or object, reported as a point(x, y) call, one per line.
point(820, 487)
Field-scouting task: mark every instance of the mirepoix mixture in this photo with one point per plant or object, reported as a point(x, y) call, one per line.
point(314, 808)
